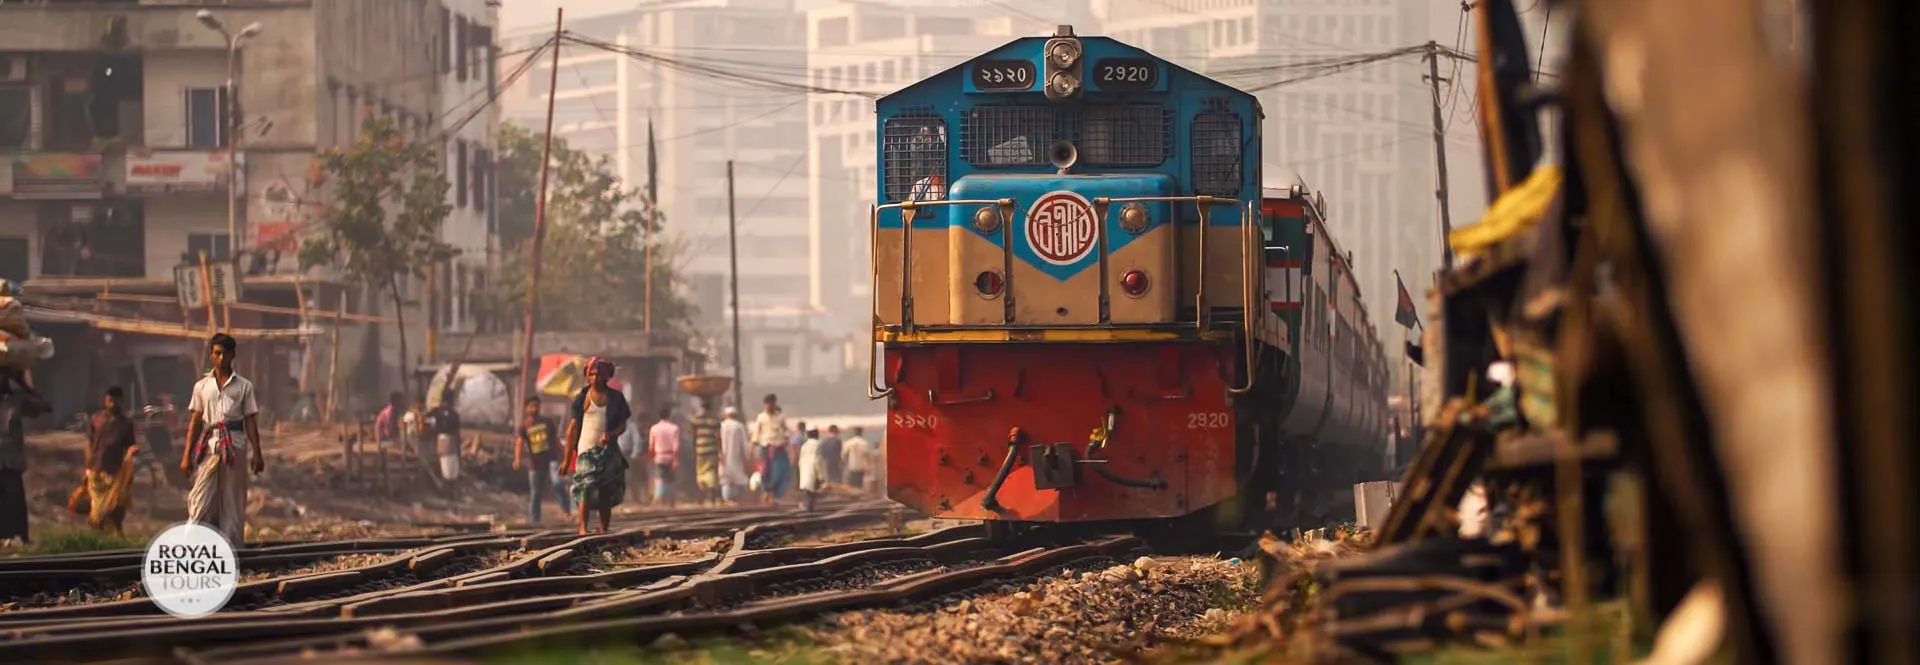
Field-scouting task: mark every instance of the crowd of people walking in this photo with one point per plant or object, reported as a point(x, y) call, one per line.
point(606, 456)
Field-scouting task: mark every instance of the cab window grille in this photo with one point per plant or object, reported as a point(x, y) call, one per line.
point(1216, 153)
point(1132, 135)
point(914, 145)
point(1011, 135)
point(1007, 136)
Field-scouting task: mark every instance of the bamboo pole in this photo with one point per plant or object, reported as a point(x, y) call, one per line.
point(252, 307)
point(333, 364)
point(433, 313)
point(306, 343)
point(206, 293)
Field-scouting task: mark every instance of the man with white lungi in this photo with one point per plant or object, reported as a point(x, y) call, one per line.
point(223, 435)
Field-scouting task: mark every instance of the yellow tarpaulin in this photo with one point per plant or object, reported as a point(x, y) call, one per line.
point(1517, 211)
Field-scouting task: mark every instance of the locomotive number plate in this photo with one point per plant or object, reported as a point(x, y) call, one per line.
point(1003, 75)
point(1126, 73)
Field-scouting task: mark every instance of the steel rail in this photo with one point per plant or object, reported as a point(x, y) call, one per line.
point(329, 593)
point(636, 629)
point(108, 559)
point(257, 634)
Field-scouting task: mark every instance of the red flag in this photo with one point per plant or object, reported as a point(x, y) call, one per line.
point(1404, 312)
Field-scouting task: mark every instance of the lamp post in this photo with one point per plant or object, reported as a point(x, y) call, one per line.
point(232, 128)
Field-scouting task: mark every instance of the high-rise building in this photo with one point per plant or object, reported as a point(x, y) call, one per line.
point(671, 75)
point(1362, 136)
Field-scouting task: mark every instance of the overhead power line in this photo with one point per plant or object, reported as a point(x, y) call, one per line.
point(720, 73)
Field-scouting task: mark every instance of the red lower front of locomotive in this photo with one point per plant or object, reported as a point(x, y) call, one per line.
point(958, 409)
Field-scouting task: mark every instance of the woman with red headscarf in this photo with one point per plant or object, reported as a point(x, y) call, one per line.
point(597, 417)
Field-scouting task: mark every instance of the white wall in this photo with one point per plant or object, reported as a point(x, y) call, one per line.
point(168, 74)
point(170, 218)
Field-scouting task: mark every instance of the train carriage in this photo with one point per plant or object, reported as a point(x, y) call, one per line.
point(1073, 315)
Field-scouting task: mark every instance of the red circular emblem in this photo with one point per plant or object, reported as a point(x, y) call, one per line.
point(1061, 228)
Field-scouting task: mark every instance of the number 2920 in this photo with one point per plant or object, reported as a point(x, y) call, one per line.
point(1209, 420)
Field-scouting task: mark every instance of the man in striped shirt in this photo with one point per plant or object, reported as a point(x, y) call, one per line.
point(706, 452)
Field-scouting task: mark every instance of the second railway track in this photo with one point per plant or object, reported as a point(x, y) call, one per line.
point(437, 599)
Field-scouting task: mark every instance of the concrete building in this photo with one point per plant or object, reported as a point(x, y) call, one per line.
point(1362, 137)
point(115, 127)
point(470, 129)
point(607, 103)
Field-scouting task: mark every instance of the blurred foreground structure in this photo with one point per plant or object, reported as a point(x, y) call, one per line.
point(1708, 320)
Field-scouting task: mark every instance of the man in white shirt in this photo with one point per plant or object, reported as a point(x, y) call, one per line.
point(770, 432)
point(858, 458)
point(223, 432)
point(736, 451)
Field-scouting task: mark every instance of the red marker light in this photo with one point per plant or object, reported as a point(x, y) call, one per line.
point(988, 283)
point(1135, 283)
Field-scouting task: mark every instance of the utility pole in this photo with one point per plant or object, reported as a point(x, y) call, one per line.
point(527, 361)
point(1440, 155)
point(653, 217)
point(733, 258)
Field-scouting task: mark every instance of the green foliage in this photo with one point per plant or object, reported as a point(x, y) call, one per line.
point(592, 271)
point(72, 540)
point(386, 200)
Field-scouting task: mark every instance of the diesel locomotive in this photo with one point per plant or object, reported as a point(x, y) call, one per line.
point(1087, 306)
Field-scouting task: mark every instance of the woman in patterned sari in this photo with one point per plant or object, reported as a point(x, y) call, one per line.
point(598, 415)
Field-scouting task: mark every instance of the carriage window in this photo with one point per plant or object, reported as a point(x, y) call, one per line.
point(915, 150)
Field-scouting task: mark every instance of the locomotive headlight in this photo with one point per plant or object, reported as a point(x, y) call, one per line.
point(1063, 85)
point(1064, 53)
point(1135, 283)
point(1133, 218)
point(986, 219)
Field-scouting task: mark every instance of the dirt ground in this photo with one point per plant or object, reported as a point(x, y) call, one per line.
point(305, 492)
point(1082, 614)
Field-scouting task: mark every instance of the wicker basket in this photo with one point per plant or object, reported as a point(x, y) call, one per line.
point(706, 386)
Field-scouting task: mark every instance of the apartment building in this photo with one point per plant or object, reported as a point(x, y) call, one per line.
point(610, 103)
point(119, 120)
point(469, 124)
point(1362, 137)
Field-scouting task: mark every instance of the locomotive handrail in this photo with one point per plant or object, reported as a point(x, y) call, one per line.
point(1251, 316)
point(1203, 204)
point(873, 290)
point(907, 209)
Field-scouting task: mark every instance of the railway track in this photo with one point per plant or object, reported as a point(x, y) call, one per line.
point(449, 597)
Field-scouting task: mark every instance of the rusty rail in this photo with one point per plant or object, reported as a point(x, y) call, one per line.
point(483, 607)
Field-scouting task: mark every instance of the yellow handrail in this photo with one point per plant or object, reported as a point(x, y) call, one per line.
point(1250, 312)
point(907, 210)
point(1203, 204)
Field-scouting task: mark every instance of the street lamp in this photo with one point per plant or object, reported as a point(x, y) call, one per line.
point(233, 133)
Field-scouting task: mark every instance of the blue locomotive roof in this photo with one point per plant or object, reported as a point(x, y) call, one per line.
point(1029, 49)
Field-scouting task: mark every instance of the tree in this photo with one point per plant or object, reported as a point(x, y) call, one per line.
point(592, 272)
point(385, 201)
